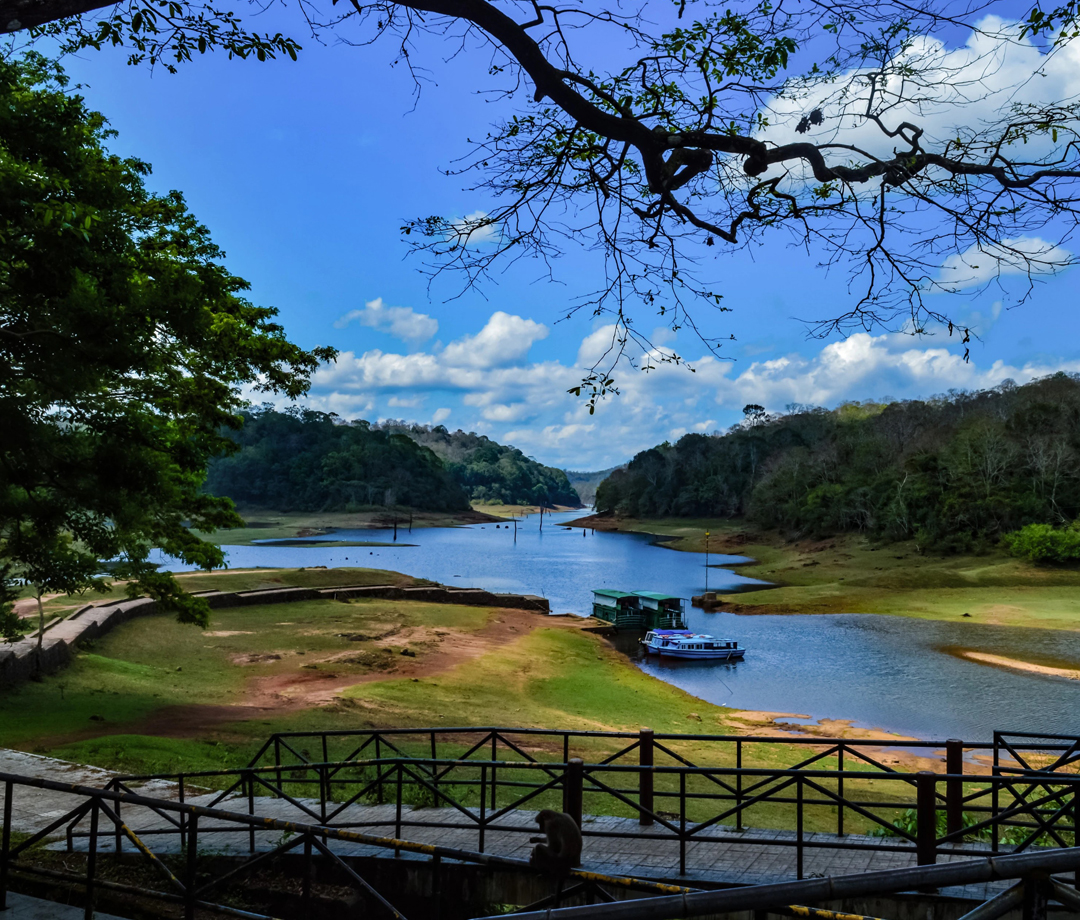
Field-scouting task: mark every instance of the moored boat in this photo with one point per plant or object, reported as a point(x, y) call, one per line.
point(685, 643)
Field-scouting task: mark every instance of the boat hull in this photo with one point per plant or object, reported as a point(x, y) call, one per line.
point(731, 654)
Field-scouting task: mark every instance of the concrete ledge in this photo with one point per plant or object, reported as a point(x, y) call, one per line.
point(19, 660)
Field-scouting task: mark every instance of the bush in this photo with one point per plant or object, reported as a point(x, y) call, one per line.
point(1045, 545)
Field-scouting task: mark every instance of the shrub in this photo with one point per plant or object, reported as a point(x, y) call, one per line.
point(1045, 545)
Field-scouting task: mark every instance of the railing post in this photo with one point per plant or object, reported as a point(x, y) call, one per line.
point(305, 884)
point(573, 782)
point(91, 863)
point(118, 844)
point(954, 788)
point(994, 793)
point(799, 826)
point(926, 817)
point(378, 773)
point(1036, 896)
point(682, 822)
point(1076, 829)
point(183, 817)
point(5, 843)
point(645, 777)
point(324, 791)
point(251, 810)
point(483, 806)
point(738, 786)
point(397, 809)
point(840, 792)
point(190, 878)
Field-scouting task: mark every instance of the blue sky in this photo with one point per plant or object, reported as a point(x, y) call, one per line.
point(305, 171)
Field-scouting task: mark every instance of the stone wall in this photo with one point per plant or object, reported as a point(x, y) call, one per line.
point(18, 660)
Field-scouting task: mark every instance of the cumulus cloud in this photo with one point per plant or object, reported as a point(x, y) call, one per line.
point(488, 383)
point(505, 339)
point(1019, 256)
point(401, 322)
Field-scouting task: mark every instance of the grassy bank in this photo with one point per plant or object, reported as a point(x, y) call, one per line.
point(153, 692)
point(851, 574)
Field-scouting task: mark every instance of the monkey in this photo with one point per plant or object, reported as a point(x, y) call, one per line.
point(559, 850)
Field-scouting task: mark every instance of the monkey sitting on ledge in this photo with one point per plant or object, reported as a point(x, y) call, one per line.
point(559, 850)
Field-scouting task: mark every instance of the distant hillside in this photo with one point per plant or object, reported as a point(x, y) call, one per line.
point(487, 470)
point(585, 483)
point(299, 460)
point(953, 472)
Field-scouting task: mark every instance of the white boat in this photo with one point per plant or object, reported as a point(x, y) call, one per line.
point(685, 643)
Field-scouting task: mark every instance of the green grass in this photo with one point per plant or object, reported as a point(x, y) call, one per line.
point(852, 574)
point(123, 679)
point(548, 678)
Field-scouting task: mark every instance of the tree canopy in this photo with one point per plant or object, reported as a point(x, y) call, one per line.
point(956, 472)
point(302, 460)
point(925, 147)
point(124, 345)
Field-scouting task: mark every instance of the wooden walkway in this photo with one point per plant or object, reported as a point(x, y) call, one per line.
point(720, 856)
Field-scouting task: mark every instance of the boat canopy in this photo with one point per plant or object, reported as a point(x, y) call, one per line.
point(613, 594)
point(654, 596)
point(674, 632)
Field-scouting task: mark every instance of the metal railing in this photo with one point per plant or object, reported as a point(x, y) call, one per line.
point(838, 797)
point(174, 852)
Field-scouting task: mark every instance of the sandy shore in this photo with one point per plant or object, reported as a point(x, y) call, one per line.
point(1015, 665)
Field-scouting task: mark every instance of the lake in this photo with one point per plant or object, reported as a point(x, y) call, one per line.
point(887, 672)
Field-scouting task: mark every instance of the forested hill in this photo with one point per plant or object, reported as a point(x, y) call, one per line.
point(489, 471)
point(586, 483)
point(301, 460)
point(954, 472)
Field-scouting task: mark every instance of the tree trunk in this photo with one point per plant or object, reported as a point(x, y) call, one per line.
point(41, 630)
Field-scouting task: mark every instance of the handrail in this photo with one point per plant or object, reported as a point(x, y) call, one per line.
point(761, 897)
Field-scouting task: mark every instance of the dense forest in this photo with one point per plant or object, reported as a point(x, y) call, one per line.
point(955, 472)
point(299, 460)
point(489, 471)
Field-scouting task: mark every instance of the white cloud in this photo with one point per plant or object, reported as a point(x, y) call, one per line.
point(472, 230)
point(401, 322)
point(505, 339)
point(946, 92)
point(1019, 256)
point(402, 402)
point(487, 382)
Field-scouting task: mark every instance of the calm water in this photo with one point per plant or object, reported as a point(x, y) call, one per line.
point(885, 672)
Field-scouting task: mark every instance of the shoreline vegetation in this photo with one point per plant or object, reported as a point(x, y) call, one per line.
point(851, 573)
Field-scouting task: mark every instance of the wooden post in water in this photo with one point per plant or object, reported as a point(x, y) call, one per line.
point(410, 520)
point(706, 562)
